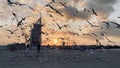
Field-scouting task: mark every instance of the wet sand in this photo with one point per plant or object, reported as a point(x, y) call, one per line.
point(60, 59)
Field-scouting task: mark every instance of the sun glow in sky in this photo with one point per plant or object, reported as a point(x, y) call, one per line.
point(73, 26)
point(55, 41)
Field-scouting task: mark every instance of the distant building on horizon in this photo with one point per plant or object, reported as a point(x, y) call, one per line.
point(36, 36)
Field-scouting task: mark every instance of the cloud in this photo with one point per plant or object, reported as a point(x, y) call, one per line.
point(105, 2)
point(103, 7)
point(72, 13)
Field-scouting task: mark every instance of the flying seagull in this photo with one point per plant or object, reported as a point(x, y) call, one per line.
point(60, 27)
point(31, 8)
point(94, 12)
point(56, 10)
point(92, 25)
point(109, 40)
point(51, 16)
point(76, 34)
point(48, 4)
point(8, 36)
point(118, 25)
point(15, 17)
point(94, 34)
point(86, 34)
point(62, 4)
point(107, 37)
point(98, 42)
point(45, 33)
point(85, 9)
point(20, 4)
point(11, 32)
point(10, 2)
point(1, 26)
point(19, 22)
point(16, 3)
point(107, 24)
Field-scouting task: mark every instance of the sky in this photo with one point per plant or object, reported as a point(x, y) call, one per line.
point(75, 16)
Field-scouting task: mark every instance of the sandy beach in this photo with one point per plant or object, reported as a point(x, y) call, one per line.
point(60, 59)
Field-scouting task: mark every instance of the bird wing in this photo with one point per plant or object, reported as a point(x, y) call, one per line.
point(9, 30)
point(94, 12)
point(89, 23)
point(56, 10)
point(9, 1)
point(15, 17)
point(58, 25)
point(115, 23)
point(62, 4)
